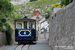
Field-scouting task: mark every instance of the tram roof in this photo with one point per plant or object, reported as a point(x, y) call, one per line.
point(24, 19)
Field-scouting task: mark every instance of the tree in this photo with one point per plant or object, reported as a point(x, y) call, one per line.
point(6, 8)
point(66, 2)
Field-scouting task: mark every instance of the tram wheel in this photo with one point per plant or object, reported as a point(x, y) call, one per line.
point(30, 42)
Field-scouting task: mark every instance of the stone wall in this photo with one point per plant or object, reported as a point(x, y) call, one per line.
point(3, 38)
point(62, 28)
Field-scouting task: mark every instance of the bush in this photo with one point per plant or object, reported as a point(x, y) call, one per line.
point(8, 33)
point(6, 8)
point(66, 2)
point(0, 28)
point(8, 29)
point(55, 5)
point(2, 22)
point(52, 17)
point(38, 28)
point(55, 14)
point(47, 15)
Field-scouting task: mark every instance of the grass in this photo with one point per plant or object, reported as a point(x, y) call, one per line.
point(36, 4)
point(48, 1)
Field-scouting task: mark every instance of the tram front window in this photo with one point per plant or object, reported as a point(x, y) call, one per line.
point(18, 25)
point(32, 25)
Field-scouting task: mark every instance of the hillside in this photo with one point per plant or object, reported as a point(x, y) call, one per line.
point(43, 2)
point(39, 4)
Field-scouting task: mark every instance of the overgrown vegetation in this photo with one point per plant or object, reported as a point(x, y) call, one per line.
point(47, 15)
point(32, 0)
point(9, 32)
point(2, 21)
point(6, 9)
point(66, 2)
point(61, 4)
point(39, 4)
point(38, 28)
point(55, 5)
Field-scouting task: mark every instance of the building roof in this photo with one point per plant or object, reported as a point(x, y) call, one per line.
point(34, 17)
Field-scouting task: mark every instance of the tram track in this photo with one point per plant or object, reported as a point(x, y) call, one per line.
point(16, 47)
point(22, 47)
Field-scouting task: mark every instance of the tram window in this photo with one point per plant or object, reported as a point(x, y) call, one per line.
point(18, 25)
point(32, 25)
point(25, 24)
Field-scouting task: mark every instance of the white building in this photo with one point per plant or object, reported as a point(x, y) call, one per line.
point(40, 21)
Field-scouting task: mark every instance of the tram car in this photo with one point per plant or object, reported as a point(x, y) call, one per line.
point(25, 30)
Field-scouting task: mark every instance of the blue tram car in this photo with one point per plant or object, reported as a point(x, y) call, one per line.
point(25, 30)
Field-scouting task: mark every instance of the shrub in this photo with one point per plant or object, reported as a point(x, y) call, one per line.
point(0, 28)
point(38, 28)
point(3, 20)
point(1, 24)
point(66, 2)
point(47, 15)
point(52, 17)
point(6, 8)
point(8, 28)
point(55, 14)
point(55, 5)
point(8, 33)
